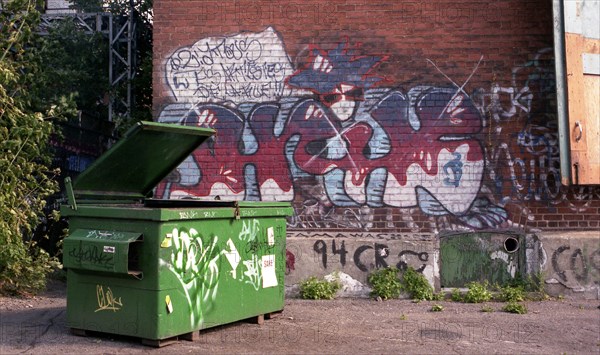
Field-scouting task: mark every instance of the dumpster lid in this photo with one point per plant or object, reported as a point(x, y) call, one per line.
point(145, 155)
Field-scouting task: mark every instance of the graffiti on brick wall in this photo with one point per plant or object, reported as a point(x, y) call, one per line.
point(330, 137)
point(243, 68)
point(523, 166)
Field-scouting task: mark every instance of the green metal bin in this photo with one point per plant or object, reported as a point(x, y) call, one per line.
point(160, 269)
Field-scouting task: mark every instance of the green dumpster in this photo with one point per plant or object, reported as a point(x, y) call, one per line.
point(162, 269)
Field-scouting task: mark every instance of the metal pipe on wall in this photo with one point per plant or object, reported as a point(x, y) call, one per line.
point(561, 92)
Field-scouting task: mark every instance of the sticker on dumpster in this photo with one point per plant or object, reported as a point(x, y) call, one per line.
point(233, 257)
point(167, 241)
point(109, 249)
point(169, 304)
point(268, 271)
point(270, 236)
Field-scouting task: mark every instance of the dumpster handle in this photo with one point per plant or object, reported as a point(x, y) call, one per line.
point(236, 213)
point(70, 193)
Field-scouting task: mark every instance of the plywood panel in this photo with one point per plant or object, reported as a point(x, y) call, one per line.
point(583, 92)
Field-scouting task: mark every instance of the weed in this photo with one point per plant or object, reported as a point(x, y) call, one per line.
point(416, 285)
point(385, 283)
point(512, 294)
point(456, 296)
point(403, 317)
point(440, 296)
point(478, 292)
point(437, 308)
point(316, 289)
point(514, 307)
point(487, 309)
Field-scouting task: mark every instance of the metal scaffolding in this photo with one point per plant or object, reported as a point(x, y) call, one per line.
point(120, 32)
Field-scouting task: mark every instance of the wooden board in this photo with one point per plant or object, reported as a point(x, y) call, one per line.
point(583, 92)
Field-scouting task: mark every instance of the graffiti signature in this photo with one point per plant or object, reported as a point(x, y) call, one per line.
point(106, 300)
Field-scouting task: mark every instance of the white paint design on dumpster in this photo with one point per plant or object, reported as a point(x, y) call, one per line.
point(268, 271)
point(233, 257)
point(250, 229)
point(194, 262)
point(252, 274)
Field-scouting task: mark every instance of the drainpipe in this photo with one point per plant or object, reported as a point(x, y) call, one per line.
point(561, 92)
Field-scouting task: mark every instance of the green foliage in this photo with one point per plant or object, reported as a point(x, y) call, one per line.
point(487, 309)
point(25, 128)
point(78, 64)
point(456, 296)
point(316, 289)
point(514, 307)
point(440, 296)
point(142, 80)
point(512, 294)
point(437, 308)
point(416, 285)
point(478, 293)
point(385, 283)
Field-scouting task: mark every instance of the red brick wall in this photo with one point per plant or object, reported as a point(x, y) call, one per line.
point(455, 128)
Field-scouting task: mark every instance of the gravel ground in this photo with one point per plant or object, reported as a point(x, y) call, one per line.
point(38, 325)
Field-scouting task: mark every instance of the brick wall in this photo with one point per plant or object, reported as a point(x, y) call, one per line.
point(374, 118)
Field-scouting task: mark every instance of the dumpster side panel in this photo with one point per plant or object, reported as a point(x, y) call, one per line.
point(225, 270)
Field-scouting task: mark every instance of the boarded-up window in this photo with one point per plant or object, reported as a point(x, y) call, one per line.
point(582, 74)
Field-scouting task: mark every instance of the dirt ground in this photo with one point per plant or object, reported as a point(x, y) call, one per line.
point(38, 325)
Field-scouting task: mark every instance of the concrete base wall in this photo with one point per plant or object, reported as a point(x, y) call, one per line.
point(569, 263)
point(572, 264)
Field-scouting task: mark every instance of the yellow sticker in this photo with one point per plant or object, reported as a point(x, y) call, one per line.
point(169, 304)
point(166, 242)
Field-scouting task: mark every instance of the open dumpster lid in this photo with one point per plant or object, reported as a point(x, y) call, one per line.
point(132, 167)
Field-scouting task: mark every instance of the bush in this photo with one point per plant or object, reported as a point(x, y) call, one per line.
point(478, 293)
point(456, 296)
point(437, 308)
point(514, 307)
point(26, 125)
point(385, 283)
point(416, 285)
point(318, 289)
point(512, 294)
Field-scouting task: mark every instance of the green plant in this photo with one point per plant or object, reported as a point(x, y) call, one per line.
point(26, 125)
point(512, 294)
point(437, 308)
point(514, 307)
point(416, 285)
point(487, 309)
point(385, 283)
point(440, 296)
point(319, 289)
point(403, 317)
point(456, 296)
point(478, 292)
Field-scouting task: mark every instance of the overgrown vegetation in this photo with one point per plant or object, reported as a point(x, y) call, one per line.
point(437, 308)
point(319, 289)
point(512, 294)
point(514, 307)
point(26, 123)
point(385, 283)
point(478, 292)
point(416, 285)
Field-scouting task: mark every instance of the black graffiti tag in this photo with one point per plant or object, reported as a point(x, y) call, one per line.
point(381, 253)
point(580, 264)
point(92, 255)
